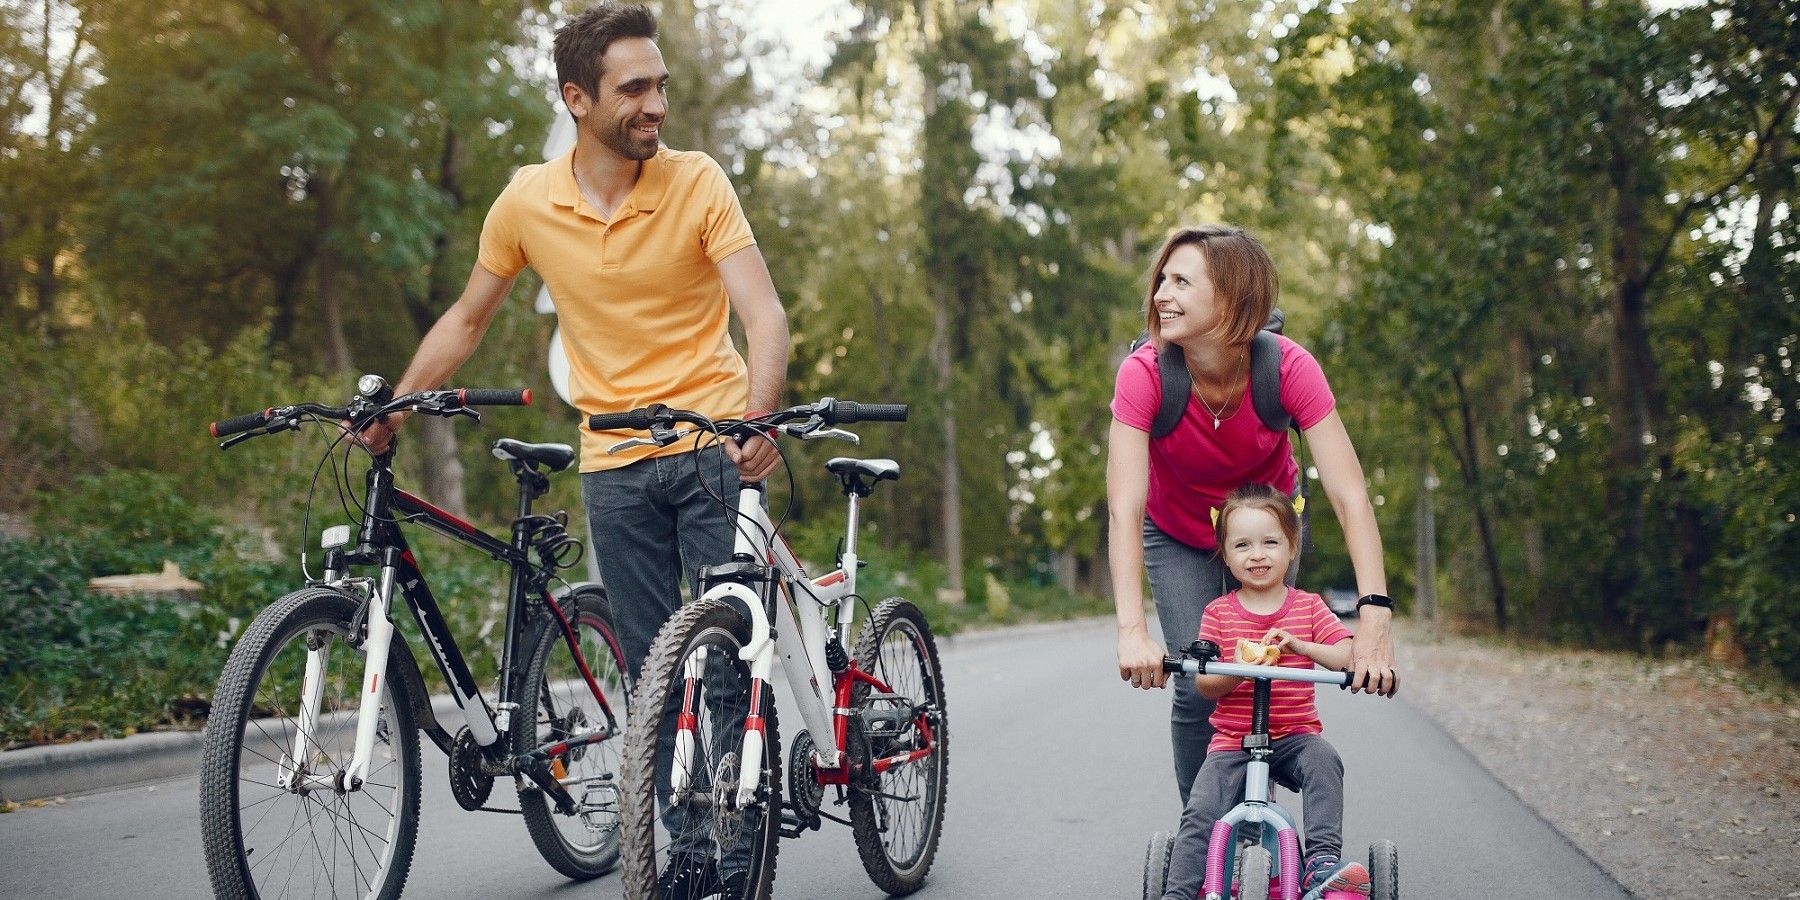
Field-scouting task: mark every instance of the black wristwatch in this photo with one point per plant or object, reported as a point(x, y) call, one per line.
point(1381, 600)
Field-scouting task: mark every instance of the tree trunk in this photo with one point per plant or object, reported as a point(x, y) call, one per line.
point(1425, 547)
point(326, 271)
point(1469, 461)
point(950, 500)
point(439, 458)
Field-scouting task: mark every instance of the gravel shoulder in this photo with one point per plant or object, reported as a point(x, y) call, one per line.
point(1678, 777)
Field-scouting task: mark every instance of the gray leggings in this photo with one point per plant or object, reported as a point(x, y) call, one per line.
point(1183, 579)
point(1306, 760)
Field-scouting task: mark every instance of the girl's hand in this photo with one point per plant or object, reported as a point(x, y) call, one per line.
point(1282, 641)
point(1140, 659)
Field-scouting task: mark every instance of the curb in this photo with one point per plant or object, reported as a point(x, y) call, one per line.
point(55, 770)
point(59, 770)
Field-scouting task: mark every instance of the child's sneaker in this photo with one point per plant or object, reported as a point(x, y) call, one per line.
point(1325, 872)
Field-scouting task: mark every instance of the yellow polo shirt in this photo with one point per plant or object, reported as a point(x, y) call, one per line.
point(644, 314)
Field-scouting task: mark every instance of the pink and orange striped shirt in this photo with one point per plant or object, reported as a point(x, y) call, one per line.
point(1291, 707)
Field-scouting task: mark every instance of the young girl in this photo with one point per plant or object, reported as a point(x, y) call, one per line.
point(1258, 532)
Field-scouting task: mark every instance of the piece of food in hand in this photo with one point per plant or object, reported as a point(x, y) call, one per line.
point(1256, 653)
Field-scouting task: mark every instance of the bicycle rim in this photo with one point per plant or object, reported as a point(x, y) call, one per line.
point(690, 820)
point(898, 814)
point(277, 829)
point(559, 706)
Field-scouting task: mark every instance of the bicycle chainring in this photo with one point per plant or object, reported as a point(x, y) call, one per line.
point(470, 780)
point(804, 789)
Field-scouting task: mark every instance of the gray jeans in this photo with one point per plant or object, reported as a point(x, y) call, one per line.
point(1306, 760)
point(1183, 579)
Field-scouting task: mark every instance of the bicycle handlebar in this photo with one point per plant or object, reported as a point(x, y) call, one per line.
point(1184, 666)
point(828, 411)
point(361, 409)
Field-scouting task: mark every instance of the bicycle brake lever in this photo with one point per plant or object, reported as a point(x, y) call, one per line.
point(629, 443)
point(836, 433)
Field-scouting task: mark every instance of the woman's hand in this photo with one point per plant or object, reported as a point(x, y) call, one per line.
point(1372, 654)
point(1140, 659)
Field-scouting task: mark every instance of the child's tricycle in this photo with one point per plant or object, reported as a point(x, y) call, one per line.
point(1254, 850)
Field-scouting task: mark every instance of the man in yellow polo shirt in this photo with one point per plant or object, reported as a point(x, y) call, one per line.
point(646, 252)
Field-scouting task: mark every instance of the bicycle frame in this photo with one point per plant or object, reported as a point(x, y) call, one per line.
point(801, 630)
point(383, 544)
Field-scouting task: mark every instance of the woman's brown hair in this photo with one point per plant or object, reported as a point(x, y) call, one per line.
point(1242, 274)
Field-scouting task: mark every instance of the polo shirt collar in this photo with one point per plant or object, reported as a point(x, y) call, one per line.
point(653, 182)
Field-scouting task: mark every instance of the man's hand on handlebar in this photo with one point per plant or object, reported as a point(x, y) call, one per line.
point(755, 457)
point(378, 436)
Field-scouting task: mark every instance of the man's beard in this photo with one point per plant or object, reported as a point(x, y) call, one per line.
point(625, 142)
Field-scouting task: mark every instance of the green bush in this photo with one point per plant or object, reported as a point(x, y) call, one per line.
point(73, 663)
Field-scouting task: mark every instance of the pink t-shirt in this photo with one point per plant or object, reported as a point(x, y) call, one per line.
point(1291, 707)
point(1193, 467)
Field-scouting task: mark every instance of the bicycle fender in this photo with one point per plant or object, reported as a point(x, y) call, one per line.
point(753, 608)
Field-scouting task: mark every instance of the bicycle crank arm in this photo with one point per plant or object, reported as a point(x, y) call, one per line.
point(539, 773)
point(558, 748)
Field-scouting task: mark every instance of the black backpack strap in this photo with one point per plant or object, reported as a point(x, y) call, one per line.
point(1177, 386)
point(1265, 381)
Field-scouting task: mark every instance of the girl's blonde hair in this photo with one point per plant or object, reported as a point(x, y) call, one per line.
point(1242, 274)
point(1264, 497)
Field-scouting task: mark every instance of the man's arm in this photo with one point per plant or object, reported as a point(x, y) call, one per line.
point(753, 298)
point(447, 346)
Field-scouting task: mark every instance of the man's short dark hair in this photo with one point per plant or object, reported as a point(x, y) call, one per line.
point(581, 41)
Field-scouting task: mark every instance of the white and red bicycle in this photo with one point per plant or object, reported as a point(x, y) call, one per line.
point(701, 803)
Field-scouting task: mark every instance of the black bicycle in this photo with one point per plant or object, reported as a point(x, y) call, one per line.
point(309, 779)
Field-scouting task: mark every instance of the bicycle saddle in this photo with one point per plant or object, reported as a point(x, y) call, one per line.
point(556, 456)
point(878, 469)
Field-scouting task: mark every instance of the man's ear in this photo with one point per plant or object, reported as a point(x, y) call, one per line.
point(575, 99)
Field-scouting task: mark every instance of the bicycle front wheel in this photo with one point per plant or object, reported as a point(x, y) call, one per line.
point(556, 705)
point(277, 818)
point(900, 746)
point(682, 830)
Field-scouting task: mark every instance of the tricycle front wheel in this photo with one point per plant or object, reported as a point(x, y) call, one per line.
point(1384, 871)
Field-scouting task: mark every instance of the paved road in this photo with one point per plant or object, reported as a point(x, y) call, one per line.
point(1059, 774)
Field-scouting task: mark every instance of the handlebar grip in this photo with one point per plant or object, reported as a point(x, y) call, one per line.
point(1173, 664)
point(239, 424)
point(844, 412)
point(883, 412)
point(639, 419)
point(493, 397)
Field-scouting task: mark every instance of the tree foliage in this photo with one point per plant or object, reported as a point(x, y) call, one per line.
point(1545, 248)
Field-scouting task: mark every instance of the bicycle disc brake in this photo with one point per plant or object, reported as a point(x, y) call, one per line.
point(470, 780)
point(728, 818)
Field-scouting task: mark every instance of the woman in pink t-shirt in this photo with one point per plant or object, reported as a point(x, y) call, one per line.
point(1211, 290)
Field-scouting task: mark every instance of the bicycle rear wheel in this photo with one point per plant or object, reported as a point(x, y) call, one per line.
point(680, 820)
point(279, 823)
point(554, 705)
point(897, 813)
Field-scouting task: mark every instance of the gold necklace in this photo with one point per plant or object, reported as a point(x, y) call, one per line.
point(1225, 409)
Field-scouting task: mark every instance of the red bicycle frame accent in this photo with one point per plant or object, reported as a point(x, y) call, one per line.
point(840, 723)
